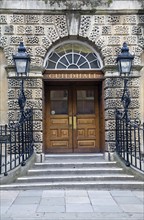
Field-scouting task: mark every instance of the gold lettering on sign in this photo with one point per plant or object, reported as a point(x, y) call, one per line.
point(73, 76)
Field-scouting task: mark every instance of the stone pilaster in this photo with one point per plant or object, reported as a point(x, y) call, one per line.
point(33, 92)
point(113, 91)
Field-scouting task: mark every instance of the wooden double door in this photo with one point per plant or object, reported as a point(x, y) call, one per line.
point(71, 119)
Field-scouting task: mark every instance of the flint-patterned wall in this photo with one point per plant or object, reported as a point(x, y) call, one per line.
point(40, 31)
point(113, 94)
point(33, 93)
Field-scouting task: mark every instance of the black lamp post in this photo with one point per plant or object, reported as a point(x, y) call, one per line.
point(22, 63)
point(124, 61)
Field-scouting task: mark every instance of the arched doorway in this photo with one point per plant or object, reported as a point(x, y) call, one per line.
point(73, 99)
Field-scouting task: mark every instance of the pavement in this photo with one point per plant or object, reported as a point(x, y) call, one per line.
point(72, 205)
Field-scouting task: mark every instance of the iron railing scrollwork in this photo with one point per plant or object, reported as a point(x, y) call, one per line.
point(130, 140)
point(16, 142)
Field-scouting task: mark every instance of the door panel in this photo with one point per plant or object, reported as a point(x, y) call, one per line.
point(58, 131)
point(87, 117)
point(85, 101)
point(86, 132)
point(72, 119)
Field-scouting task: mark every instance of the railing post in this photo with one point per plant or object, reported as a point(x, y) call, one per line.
point(126, 102)
point(22, 142)
point(127, 139)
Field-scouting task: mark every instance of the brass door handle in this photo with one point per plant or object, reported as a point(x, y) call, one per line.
point(70, 120)
point(74, 122)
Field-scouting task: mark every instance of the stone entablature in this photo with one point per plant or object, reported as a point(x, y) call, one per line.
point(39, 32)
point(105, 30)
point(71, 4)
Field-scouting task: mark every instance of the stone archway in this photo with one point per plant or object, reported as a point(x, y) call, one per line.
point(72, 88)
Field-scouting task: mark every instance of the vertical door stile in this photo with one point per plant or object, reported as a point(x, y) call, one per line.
point(97, 117)
point(74, 115)
point(70, 119)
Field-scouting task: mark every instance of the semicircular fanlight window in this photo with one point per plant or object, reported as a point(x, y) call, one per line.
point(73, 56)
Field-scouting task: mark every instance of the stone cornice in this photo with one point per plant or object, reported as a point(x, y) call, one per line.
point(105, 69)
point(34, 71)
point(113, 68)
point(60, 6)
point(64, 11)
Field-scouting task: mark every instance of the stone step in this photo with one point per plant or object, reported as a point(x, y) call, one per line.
point(78, 171)
point(75, 171)
point(76, 164)
point(72, 178)
point(73, 157)
point(108, 185)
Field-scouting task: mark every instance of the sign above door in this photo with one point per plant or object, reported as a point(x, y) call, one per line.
point(72, 75)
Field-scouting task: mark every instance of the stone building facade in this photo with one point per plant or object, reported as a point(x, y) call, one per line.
point(43, 27)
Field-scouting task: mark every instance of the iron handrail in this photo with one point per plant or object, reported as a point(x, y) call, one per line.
point(130, 141)
point(16, 143)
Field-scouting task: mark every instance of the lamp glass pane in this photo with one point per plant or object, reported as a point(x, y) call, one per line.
point(119, 66)
point(125, 66)
point(21, 65)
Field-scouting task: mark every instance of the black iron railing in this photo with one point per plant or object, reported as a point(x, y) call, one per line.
point(130, 141)
point(16, 143)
